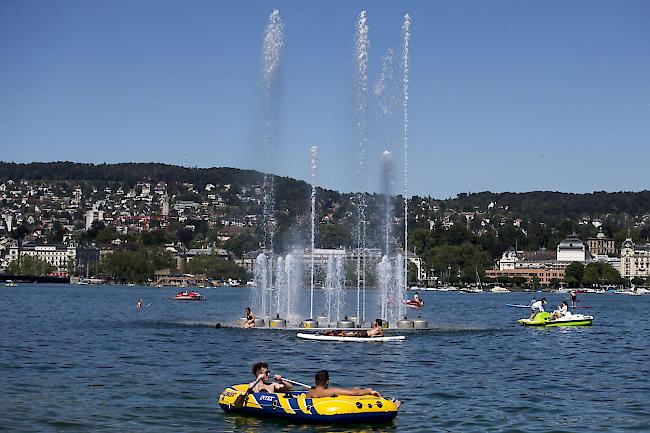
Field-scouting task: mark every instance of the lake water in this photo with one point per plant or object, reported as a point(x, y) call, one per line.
point(81, 358)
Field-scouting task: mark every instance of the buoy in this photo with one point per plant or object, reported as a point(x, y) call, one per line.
point(309, 323)
point(259, 323)
point(322, 320)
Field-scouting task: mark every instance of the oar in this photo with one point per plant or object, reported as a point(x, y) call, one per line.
point(295, 382)
point(241, 398)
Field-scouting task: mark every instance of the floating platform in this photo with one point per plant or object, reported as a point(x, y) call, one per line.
point(320, 337)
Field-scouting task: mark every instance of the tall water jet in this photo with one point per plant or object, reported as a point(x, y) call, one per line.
point(288, 283)
point(406, 35)
point(387, 189)
point(391, 288)
point(361, 81)
point(271, 54)
point(385, 279)
point(334, 288)
point(314, 151)
point(260, 276)
point(383, 88)
point(280, 283)
point(399, 307)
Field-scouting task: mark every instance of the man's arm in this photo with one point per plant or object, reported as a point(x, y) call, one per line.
point(350, 391)
point(283, 384)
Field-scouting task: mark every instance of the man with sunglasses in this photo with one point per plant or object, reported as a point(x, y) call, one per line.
point(262, 384)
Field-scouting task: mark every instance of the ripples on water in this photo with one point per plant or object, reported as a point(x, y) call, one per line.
point(83, 359)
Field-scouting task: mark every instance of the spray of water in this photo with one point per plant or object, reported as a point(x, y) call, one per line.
point(334, 288)
point(314, 151)
point(384, 274)
point(260, 275)
point(271, 55)
point(387, 190)
point(287, 288)
point(383, 89)
point(361, 68)
point(406, 35)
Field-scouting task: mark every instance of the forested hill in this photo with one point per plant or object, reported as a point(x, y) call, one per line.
point(129, 173)
point(553, 206)
point(544, 206)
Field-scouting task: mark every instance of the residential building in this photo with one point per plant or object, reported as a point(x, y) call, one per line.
point(549, 274)
point(93, 215)
point(601, 245)
point(60, 256)
point(635, 260)
point(57, 255)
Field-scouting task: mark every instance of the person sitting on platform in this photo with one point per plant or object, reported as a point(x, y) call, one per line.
point(377, 330)
point(249, 319)
point(262, 384)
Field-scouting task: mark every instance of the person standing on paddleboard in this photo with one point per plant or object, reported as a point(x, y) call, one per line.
point(574, 299)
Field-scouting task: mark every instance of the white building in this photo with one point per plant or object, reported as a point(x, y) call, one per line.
point(56, 255)
point(572, 249)
point(93, 215)
point(508, 259)
point(635, 260)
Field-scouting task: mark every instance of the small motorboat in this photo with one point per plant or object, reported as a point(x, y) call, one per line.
point(414, 303)
point(297, 407)
point(10, 283)
point(545, 319)
point(189, 296)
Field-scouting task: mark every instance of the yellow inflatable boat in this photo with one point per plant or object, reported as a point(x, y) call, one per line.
point(296, 406)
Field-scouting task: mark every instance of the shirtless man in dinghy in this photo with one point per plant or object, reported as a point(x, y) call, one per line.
point(262, 384)
point(322, 388)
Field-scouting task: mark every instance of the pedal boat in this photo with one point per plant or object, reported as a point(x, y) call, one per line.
point(413, 303)
point(295, 406)
point(189, 296)
point(545, 319)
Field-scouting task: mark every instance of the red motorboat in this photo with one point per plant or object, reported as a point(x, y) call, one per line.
point(189, 296)
point(414, 303)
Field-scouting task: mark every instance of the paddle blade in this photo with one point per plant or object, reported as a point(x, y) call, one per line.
point(241, 399)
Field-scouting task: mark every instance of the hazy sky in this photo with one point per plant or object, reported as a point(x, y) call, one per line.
point(504, 95)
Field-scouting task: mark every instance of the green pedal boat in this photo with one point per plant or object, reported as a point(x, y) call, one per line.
point(544, 319)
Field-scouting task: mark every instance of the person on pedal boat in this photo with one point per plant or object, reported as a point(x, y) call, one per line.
point(561, 311)
point(536, 307)
point(262, 384)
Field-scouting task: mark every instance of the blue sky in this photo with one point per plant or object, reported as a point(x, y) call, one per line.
point(504, 95)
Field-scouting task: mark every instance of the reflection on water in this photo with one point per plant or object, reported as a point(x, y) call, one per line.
point(85, 359)
point(248, 424)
